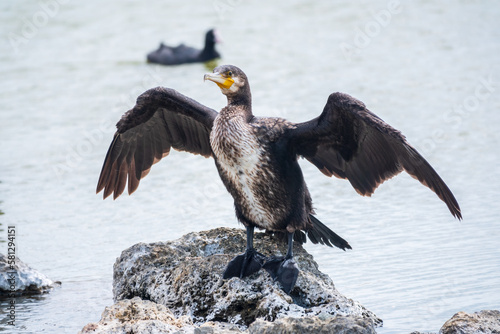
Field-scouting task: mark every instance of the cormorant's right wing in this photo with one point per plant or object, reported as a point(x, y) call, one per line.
point(162, 118)
point(349, 141)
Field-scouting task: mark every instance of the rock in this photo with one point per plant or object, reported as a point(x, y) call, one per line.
point(212, 327)
point(18, 279)
point(478, 322)
point(145, 317)
point(137, 316)
point(185, 275)
point(338, 324)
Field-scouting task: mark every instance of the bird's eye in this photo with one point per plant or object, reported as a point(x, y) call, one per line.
point(229, 73)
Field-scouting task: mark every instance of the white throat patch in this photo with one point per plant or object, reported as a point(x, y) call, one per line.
point(234, 87)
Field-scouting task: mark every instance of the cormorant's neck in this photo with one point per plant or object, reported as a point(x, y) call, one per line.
point(241, 103)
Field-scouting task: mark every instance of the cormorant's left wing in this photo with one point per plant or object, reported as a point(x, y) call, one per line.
point(161, 119)
point(350, 142)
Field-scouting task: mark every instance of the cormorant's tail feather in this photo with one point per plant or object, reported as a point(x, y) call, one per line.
point(320, 233)
point(298, 237)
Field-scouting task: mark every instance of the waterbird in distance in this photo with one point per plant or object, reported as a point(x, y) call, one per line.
point(256, 158)
point(183, 54)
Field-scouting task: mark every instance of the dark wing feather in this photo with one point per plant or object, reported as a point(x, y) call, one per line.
point(161, 119)
point(350, 142)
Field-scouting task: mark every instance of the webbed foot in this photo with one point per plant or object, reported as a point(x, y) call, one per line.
point(245, 264)
point(284, 270)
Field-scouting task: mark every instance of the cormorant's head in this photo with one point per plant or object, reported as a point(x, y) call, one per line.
point(232, 82)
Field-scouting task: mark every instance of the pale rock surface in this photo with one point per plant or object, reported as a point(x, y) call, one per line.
point(137, 316)
point(20, 279)
point(486, 321)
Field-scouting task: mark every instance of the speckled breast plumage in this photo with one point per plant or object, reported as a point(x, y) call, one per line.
point(245, 167)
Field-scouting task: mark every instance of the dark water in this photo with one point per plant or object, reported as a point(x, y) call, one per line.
point(69, 70)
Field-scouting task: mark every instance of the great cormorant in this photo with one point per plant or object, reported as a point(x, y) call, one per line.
point(182, 54)
point(256, 158)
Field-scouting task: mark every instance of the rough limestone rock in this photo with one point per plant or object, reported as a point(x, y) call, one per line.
point(145, 317)
point(185, 275)
point(19, 279)
point(477, 323)
point(338, 325)
point(137, 316)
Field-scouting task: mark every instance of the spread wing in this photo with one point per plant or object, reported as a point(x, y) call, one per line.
point(350, 142)
point(162, 118)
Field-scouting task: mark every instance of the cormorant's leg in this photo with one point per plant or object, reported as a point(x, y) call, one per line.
point(284, 269)
point(247, 263)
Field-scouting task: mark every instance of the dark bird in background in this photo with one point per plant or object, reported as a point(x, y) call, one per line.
point(256, 158)
point(182, 54)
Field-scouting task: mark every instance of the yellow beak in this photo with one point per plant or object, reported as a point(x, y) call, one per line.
point(221, 80)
